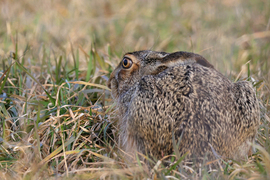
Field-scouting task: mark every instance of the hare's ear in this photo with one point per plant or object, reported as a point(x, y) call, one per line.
point(159, 69)
point(182, 57)
point(202, 61)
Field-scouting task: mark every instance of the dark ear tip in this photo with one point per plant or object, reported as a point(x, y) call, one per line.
point(202, 61)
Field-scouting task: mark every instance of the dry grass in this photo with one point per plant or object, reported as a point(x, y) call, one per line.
point(57, 117)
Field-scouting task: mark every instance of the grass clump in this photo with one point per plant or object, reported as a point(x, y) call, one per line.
point(56, 113)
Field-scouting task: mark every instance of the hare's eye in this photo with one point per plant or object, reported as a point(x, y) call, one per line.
point(126, 63)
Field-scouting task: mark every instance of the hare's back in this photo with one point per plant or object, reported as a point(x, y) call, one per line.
point(193, 102)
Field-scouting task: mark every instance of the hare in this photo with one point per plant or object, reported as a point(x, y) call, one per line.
point(160, 95)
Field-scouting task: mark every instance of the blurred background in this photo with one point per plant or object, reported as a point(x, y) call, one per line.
point(228, 33)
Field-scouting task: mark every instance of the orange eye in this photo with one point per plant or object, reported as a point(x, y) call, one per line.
point(126, 63)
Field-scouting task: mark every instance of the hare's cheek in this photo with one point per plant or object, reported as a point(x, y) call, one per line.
point(123, 75)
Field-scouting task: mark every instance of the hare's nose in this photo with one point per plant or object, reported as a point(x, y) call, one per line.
point(112, 76)
point(109, 83)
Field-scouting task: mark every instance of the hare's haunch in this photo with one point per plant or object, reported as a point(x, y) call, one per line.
point(160, 95)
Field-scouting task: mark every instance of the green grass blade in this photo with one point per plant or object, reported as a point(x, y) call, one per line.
point(177, 162)
point(90, 69)
point(5, 79)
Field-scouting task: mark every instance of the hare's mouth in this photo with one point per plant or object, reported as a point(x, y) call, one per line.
point(109, 84)
point(112, 83)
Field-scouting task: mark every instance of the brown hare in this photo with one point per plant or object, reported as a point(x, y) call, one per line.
point(160, 95)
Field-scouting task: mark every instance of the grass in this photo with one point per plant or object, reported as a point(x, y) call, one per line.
point(56, 113)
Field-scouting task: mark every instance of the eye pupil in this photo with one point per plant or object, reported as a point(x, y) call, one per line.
point(126, 63)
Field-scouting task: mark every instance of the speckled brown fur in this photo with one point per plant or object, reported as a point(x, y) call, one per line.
point(181, 93)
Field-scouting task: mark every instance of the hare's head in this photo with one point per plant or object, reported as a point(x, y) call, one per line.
point(137, 64)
